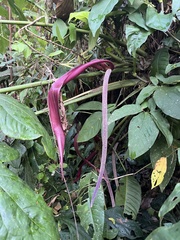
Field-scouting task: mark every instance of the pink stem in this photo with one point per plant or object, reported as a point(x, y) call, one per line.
point(104, 132)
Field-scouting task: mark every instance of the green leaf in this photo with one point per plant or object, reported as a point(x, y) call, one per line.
point(98, 14)
point(93, 40)
point(86, 180)
point(151, 104)
point(136, 4)
point(72, 234)
point(127, 110)
point(3, 12)
point(4, 44)
point(72, 32)
point(110, 129)
point(91, 127)
point(145, 93)
point(92, 105)
point(138, 19)
point(52, 54)
point(158, 21)
point(175, 6)
point(166, 233)
point(15, 9)
point(154, 80)
point(19, 122)
point(23, 213)
point(168, 80)
point(142, 134)
point(59, 30)
point(171, 67)
point(171, 201)
point(93, 215)
point(163, 126)
point(22, 48)
point(7, 153)
point(160, 149)
point(82, 16)
point(168, 100)
point(161, 60)
point(126, 228)
point(135, 38)
point(129, 196)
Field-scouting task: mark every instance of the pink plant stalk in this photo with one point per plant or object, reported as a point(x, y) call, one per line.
point(53, 105)
point(104, 133)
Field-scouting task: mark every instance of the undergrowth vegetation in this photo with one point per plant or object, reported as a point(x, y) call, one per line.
point(89, 119)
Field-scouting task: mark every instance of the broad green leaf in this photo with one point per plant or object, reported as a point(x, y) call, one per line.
point(72, 32)
point(93, 40)
point(22, 48)
point(91, 127)
point(166, 233)
point(126, 228)
point(168, 80)
point(158, 21)
point(142, 134)
point(171, 67)
point(171, 201)
point(160, 149)
point(135, 38)
point(145, 93)
point(19, 122)
point(171, 164)
point(21, 3)
point(52, 54)
point(27, 51)
point(161, 60)
point(82, 16)
point(93, 215)
point(3, 12)
point(163, 126)
point(168, 100)
point(154, 80)
point(129, 196)
point(4, 44)
point(151, 104)
point(72, 233)
point(98, 14)
point(86, 180)
point(23, 213)
point(59, 30)
point(136, 4)
point(15, 9)
point(109, 233)
point(18, 46)
point(92, 105)
point(175, 6)
point(138, 19)
point(110, 128)
point(127, 110)
point(7, 153)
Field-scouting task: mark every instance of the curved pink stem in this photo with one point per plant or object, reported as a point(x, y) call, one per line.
point(104, 133)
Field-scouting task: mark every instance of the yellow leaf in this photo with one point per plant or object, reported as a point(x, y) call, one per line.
point(158, 173)
point(112, 220)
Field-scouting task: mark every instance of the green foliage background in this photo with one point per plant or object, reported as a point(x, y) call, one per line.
point(142, 39)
